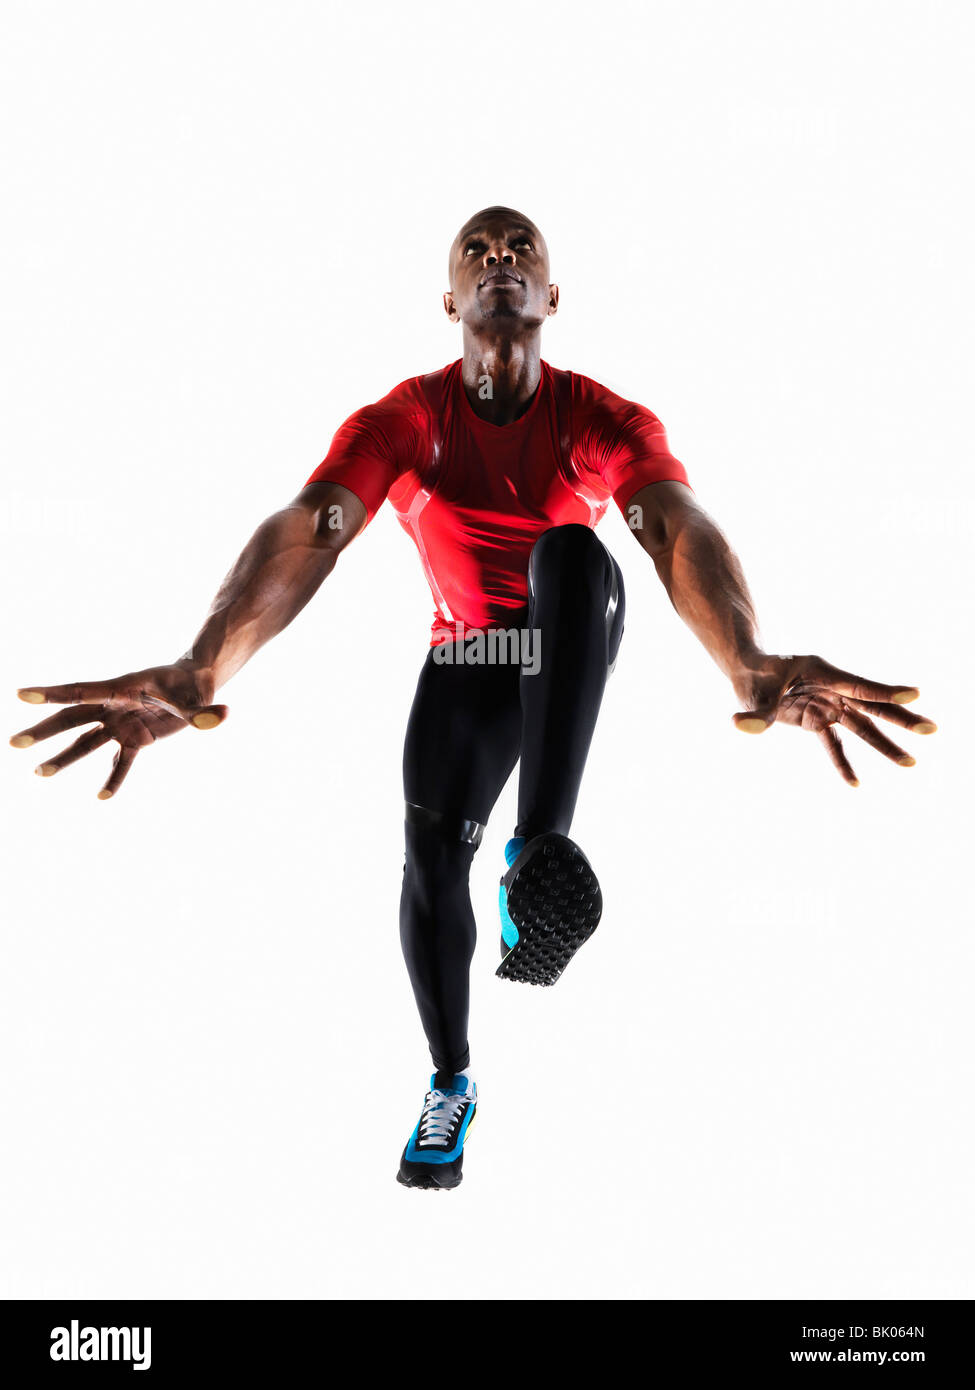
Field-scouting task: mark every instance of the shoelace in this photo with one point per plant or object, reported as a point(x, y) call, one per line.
point(441, 1110)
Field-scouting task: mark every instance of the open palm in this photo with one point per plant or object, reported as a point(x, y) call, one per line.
point(134, 710)
point(812, 694)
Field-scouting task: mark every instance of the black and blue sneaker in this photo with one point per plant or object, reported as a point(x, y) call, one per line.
point(550, 904)
point(434, 1157)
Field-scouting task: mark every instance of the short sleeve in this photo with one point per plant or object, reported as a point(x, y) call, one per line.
point(373, 447)
point(622, 442)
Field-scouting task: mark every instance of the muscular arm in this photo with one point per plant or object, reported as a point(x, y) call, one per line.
point(704, 579)
point(702, 576)
point(279, 570)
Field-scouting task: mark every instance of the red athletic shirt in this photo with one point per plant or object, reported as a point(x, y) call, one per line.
point(475, 497)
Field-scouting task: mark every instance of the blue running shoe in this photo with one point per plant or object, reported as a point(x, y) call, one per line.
point(434, 1157)
point(550, 904)
point(509, 932)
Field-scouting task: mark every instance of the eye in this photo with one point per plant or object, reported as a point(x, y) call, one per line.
point(523, 241)
point(474, 246)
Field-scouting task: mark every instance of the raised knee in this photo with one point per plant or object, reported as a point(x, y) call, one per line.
point(560, 540)
point(572, 549)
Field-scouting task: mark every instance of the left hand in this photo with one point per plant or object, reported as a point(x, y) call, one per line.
point(809, 692)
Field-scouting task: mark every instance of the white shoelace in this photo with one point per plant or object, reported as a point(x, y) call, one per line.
point(441, 1110)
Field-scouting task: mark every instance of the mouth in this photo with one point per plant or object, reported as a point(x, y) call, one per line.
point(500, 279)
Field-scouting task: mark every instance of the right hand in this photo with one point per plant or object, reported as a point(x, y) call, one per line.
point(134, 710)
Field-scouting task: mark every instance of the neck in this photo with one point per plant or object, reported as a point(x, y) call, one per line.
point(501, 375)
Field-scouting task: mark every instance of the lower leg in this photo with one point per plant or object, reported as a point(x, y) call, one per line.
point(461, 744)
point(576, 609)
point(437, 932)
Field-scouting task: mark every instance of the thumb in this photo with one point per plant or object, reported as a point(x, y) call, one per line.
point(208, 717)
point(201, 717)
point(755, 721)
point(763, 695)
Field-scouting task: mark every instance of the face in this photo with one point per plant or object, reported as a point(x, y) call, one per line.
point(499, 273)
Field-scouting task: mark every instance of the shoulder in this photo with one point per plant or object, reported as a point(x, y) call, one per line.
point(602, 423)
point(596, 404)
point(404, 414)
point(405, 400)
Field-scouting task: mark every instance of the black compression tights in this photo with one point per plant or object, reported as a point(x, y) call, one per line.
point(467, 727)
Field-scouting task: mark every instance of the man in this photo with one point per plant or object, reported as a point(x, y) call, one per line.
point(499, 467)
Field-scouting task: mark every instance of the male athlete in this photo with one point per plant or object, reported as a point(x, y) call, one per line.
point(498, 466)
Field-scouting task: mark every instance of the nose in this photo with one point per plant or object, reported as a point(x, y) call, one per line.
point(497, 251)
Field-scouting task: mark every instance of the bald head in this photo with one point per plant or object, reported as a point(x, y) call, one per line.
point(494, 221)
point(499, 275)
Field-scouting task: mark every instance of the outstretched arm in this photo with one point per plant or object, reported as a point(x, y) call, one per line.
point(279, 570)
point(704, 579)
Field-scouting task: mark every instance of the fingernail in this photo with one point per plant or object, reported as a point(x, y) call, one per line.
point(855, 782)
point(928, 727)
point(22, 740)
point(104, 794)
point(46, 770)
point(753, 725)
point(907, 760)
point(904, 697)
point(206, 720)
point(31, 697)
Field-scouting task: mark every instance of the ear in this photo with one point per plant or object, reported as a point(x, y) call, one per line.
point(553, 299)
point(449, 307)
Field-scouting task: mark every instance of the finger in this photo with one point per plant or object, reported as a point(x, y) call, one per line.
point(896, 714)
point(94, 692)
point(124, 759)
point(207, 717)
point(81, 746)
point(830, 740)
point(753, 721)
point(765, 700)
point(868, 731)
point(82, 692)
point(820, 672)
point(57, 724)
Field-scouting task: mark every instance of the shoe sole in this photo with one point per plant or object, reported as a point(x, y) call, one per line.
point(555, 901)
point(420, 1182)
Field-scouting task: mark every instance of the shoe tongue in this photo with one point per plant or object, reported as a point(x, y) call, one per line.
point(447, 1081)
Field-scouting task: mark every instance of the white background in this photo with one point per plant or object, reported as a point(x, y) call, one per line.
point(225, 228)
